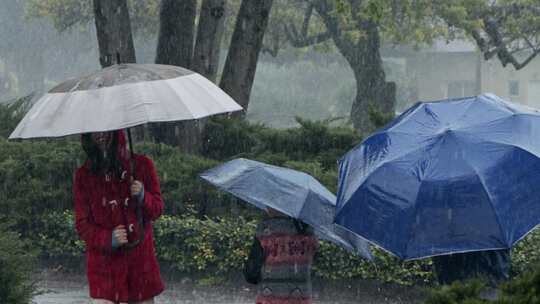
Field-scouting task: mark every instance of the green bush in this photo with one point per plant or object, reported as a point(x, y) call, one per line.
point(310, 141)
point(57, 238)
point(11, 113)
point(526, 253)
point(523, 289)
point(224, 138)
point(36, 177)
point(213, 248)
point(458, 293)
point(16, 264)
point(335, 263)
point(180, 184)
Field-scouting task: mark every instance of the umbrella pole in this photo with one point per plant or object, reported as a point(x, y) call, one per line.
point(138, 209)
point(132, 157)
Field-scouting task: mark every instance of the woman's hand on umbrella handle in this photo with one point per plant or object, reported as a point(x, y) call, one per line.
point(120, 234)
point(136, 188)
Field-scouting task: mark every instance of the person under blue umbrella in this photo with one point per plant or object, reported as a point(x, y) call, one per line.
point(490, 265)
point(280, 260)
point(299, 211)
point(452, 179)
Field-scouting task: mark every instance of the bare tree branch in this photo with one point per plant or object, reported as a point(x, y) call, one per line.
point(272, 49)
point(299, 41)
point(498, 45)
point(302, 39)
point(307, 19)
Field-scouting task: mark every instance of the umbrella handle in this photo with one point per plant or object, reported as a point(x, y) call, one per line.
point(138, 210)
point(131, 154)
point(141, 229)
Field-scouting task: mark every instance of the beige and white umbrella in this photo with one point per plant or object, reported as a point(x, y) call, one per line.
point(123, 96)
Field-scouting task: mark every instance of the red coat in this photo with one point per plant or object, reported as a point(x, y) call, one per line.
point(118, 275)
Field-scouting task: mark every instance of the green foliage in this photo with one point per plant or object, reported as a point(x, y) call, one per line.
point(66, 14)
point(314, 141)
point(334, 263)
point(11, 113)
point(526, 253)
point(311, 142)
point(56, 237)
point(458, 293)
point(182, 189)
point(35, 177)
point(225, 138)
point(524, 289)
point(327, 177)
point(213, 248)
point(16, 263)
point(379, 118)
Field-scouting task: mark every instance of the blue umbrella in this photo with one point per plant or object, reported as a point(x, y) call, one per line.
point(291, 192)
point(445, 177)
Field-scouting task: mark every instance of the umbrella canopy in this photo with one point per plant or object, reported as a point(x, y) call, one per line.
point(445, 177)
point(291, 192)
point(123, 96)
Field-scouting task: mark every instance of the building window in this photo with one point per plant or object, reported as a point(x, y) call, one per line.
point(513, 88)
point(458, 89)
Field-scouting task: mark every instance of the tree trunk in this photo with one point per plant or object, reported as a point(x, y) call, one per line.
point(113, 32)
point(205, 62)
point(115, 41)
point(373, 93)
point(175, 47)
point(209, 36)
point(363, 55)
point(246, 43)
point(176, 32)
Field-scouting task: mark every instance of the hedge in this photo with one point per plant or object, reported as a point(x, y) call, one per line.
point(523, 289)
point(216, 248)
point(17, 260)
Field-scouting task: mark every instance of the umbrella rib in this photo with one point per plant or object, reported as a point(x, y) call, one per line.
point(505, 144)
point(466, 110)
point(238, 178)
point(385, 162)
point(418, 106)
point(487, 193)
point(419, 188)
point(305, 198)
point(372, 242)
point(195, 83)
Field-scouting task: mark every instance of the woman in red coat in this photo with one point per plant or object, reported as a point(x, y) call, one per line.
point(106, 200)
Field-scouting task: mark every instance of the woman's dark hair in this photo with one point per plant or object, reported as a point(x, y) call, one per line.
point(98, 163)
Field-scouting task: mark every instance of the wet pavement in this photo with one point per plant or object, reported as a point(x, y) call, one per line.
point(72, 289)
point(63, 288)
